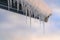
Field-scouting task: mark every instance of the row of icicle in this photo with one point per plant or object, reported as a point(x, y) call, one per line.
point(24, 9)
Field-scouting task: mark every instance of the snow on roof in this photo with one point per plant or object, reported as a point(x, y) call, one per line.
point(41, 6)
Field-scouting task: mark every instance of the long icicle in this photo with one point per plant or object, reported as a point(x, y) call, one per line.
point(34, 13)
point(17, 5)
point(8, 5)
point(40, 23)
point(14, 2)
point(43, 28)
point(22, 5)
point(26, 14)
point(11, 3)
point(30, 17)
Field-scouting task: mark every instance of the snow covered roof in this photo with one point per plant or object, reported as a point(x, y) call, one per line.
point(41, 6)
point(43, 10)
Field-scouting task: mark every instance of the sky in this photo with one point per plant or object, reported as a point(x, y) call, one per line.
point(11, 21)
point(55, 6)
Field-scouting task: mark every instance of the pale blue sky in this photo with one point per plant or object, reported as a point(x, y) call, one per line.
point(55, 5)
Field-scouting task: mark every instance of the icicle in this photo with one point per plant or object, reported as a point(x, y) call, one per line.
point(40, 24)
point(43, 27)
point(14, 2)
point(26, 14)
point(22, 2)
point(17, 5)
point(8, 5)
point(40, 20)
point(34, 14)
point(30, 20)
point(22, 5)
point(30, 17)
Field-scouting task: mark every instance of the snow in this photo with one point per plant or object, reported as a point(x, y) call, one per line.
point(40, 6)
